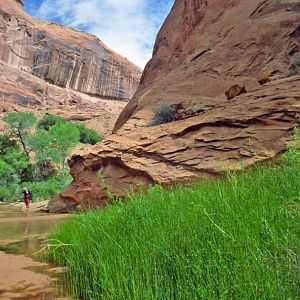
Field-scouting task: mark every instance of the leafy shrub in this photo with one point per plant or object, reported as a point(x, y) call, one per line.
point(64, 136)
point(49, 120)
point(296, 61)
point(293, 71)
point(88, 135)
point(10, 193)
point(50, 144)
point(43, 190)
point(20, 120)
point(294, 68)
point(165, 113)
point(6, 144)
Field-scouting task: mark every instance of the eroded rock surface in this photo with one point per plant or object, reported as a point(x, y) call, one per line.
point(203, 49)
point(44, 65)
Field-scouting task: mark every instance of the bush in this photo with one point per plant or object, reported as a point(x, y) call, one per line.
point(10, 193)
point(64, 137)
point(19, 121)
point(49, 120)
point(88, 135)
point(7, 144)
point(294, 68)
point(165, 113)
point(51, 144)
point(44, 190)
point(296, 61)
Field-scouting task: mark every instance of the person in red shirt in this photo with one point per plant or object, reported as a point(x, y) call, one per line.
point(27, 197)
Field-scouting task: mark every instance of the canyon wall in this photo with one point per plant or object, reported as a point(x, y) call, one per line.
point(44, 65)
point(204, 49)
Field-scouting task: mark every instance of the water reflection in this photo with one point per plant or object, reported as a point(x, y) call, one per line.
point(24, 233)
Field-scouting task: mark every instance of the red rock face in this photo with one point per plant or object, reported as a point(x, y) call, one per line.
point(43, 65)
point(63, 56)
point(203, 49)
point(206, 47)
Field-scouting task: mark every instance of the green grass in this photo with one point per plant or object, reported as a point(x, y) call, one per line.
point(236, 238)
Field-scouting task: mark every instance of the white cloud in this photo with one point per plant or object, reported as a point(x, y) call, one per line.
point(127, 26)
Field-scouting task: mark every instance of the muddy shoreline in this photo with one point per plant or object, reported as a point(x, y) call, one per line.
point(34, 207)
point(22, 234)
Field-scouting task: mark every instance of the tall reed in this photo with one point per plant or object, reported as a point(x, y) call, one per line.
point(236, 238)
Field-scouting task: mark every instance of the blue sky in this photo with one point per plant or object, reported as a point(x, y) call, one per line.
point(127, 26)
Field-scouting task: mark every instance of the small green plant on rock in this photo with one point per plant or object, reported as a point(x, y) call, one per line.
point(296, 61)
point(88, 135)
point(294, 68)
point(163, 114)
point(293, 71)
point(111, 196)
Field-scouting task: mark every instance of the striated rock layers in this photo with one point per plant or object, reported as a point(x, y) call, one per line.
point(46, 64)
point(204, 48)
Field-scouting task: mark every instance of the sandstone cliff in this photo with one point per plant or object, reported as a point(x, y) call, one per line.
point(46, 64)
point(204, 48)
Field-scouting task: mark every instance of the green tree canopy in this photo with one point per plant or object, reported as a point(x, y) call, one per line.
point(19, 123)
point(41, 145)
point(14, 167)
point(64, 136)
point(7, 144)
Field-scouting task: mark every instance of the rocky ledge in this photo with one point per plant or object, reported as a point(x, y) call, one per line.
point(251, 128)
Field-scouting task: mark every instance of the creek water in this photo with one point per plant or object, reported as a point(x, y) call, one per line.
point(23, 274)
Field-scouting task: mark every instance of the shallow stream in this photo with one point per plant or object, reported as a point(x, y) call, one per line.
point(23, 274)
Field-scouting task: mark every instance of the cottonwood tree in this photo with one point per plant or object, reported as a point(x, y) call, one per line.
point(20, 123)
point(14, 166)
point(41, 145)
point(64, 136)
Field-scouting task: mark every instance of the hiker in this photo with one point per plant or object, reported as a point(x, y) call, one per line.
point(27, 197)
